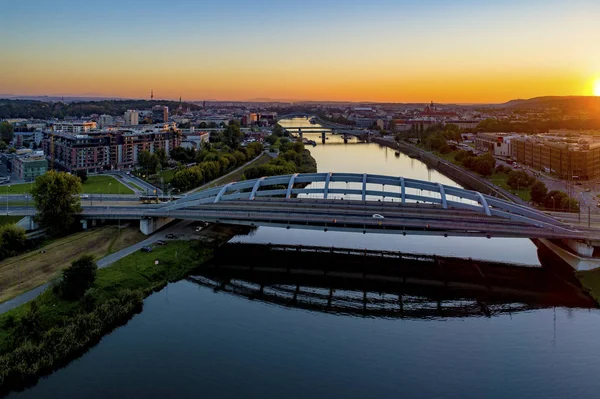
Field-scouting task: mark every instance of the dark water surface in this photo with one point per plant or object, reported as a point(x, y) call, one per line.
point(195, 341)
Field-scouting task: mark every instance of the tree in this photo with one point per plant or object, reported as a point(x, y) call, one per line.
point(232, 136)
point(148, 162)
point(7, 132)
point(78, 277)
point(12, 240)
point(538, 191)
point(519, 179)
point(161, 156)
point(56, 200)
point(277, 130)
point(82, 174)
point(3, 145)
point(202, 125)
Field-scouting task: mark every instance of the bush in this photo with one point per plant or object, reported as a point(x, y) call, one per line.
point(13, 241)
point(519, 179)
point(78, 277)
point(538, 192)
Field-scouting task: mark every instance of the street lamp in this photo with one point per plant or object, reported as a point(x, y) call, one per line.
point(553, 204)
point(7, 187)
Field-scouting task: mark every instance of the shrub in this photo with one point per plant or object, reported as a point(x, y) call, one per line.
point(78, 277)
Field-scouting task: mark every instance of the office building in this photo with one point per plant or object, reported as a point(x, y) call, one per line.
point(30, 166)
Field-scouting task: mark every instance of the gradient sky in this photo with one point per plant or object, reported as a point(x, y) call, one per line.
point(378, 50)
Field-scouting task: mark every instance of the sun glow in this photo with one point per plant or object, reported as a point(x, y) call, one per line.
point(597, 87)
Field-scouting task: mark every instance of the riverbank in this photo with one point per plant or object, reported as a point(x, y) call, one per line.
point(25, 272)
point(464, 178)
point(47, 333)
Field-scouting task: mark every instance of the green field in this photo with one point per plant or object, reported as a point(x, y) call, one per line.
point(132, 184)
point(105, 185)
point(500, 179)
point(167, 175)
point(93, 185)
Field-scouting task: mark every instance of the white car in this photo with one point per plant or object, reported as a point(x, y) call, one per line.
point(84, 196)
point(377, 216)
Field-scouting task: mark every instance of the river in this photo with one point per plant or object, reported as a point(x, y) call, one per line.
point(195, 341)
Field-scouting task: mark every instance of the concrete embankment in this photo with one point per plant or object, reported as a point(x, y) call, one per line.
point(461, 176)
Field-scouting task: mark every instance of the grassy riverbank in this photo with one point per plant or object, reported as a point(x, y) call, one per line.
point(590, 280)
point(32, 269)
point(38, 337)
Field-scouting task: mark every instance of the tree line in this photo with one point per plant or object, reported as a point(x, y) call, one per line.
point(293, 158)
point(47, 110)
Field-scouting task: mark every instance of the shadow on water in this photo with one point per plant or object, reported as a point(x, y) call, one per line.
point(388, 284)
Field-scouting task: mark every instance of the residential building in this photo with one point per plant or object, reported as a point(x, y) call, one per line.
point(107, 149)
point(131, 117)
point(105, 120)
point(160, 114)
point(74, 127)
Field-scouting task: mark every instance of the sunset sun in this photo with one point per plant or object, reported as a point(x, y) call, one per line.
point(597, 87)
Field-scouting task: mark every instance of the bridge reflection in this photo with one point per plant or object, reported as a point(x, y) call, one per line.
point(385, 284)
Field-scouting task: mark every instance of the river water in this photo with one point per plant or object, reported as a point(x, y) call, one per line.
point(195, 341)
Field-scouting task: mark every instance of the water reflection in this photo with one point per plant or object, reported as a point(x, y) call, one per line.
point(385, 284)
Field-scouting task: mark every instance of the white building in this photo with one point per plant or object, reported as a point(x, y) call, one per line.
point(74, 127)
point(105, 120)
point(132, 117)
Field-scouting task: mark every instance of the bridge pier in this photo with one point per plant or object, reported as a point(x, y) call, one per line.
point(323, 137)
point(577, 254)
point(150, 225)
point(345, 139)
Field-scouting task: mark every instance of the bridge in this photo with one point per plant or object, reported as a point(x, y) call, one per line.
point(363, 203)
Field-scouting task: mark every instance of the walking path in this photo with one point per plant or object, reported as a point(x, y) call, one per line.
point(177, 228)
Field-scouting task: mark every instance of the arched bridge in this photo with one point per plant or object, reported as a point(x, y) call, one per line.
point(365, 203)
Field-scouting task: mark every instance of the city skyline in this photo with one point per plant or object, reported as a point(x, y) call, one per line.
point(395, 51)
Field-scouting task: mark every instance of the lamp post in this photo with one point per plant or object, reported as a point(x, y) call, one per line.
point(553, 204)
point(7, 187)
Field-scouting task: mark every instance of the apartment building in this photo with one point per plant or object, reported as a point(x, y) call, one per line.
point(105, 150)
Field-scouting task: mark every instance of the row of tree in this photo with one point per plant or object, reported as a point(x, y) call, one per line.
point(293, 158)
point(555, 199)
point(212, 163)
point(482, 164)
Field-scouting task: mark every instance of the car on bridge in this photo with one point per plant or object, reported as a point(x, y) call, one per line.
point(378, 216)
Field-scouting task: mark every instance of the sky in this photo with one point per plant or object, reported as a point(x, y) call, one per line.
point(458, 51)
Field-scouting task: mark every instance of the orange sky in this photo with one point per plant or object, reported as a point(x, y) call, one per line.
point(395, 52)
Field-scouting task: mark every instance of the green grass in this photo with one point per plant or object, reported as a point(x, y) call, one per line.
point(23, 188)
point(93, 185)
point(167, 175)
point(105, 185)
point(132, 184)
point(590, 280)
point(9, 219)
point(500, 180)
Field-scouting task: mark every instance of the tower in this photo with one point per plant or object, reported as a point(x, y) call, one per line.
point(151, 95)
